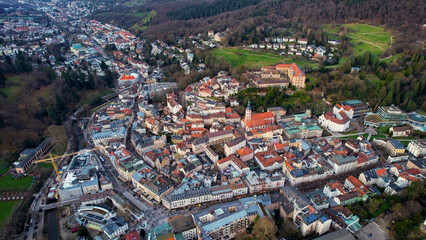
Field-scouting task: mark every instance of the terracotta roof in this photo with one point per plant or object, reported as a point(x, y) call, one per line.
point(127, 77)
point(336, 185)
point(408, 177)
point(268, 158)
point(330, 116)
point(260, 119)
point(413, 171)
point(397, 166)
point(234, 159)
point(279, 146)
point(381, 172)
point(244, 151)
point(354, 181)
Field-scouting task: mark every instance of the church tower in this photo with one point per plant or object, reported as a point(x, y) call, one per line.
point(248, 113)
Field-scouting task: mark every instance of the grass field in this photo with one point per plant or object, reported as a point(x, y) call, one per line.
point(11, 89)
point(6, 209)
point(45, 165)
point(372, 79)
point(393, 58)
point(341, 61)
point(365, 135)
point(8, 184)
point(363, 37)
point(303, 63)
point(44, 92)
point(251, 59)
point(145, 18)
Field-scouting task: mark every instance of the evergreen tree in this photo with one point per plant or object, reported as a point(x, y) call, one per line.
point(2, 79)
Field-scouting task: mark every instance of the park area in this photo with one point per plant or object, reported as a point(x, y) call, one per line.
point(15, 87)
point(10, 184)
point(251, 59)
point(363, 37)
point(254, 59)
point(6, 208)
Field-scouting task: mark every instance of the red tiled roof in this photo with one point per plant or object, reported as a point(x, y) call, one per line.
point(260, 119)
point(355, 181)
point(413, 171)
point(244, 151)
point(381, 172)
point(132, 236)
point(279, 146)
point(362, 158)
point(268, 158)
point(408, 177)
point(330, 116)
point(127, 77)
point(234, 159)
point(397, 166)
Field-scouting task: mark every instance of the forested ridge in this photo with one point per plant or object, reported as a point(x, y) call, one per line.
point(183, 17)
point(210, 9)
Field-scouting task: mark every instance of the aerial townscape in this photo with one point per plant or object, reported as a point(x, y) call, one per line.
point(212, 119)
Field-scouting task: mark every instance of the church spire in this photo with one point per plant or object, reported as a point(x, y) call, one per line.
point(248, 113)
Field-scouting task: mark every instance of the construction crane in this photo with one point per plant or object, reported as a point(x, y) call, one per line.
point(53, 158)
point(129, 70)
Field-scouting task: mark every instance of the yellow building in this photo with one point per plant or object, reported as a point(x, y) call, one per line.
point(396, 147)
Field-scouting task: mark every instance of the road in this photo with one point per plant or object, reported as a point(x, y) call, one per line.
point(118, 185)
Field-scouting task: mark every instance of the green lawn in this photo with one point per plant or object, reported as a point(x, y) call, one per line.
point(251, 59)
point(373, 137)
point(44, 92)
point(383, 130)
point(384, 205)
point(13, 80)
point(6, 209)
point(363, 37)
point(8, 184)
point(45, 165)
point(145, 18)
point(348, 133)
point(341, 61)
point(372, 79)
point(303, 63)
point(364, 28)
point(332, 29)
point(138, 27)
point(365, 135)
point(351, 137)
point(393, 58)
point(405, 143)
point(11, 89)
